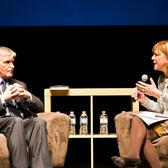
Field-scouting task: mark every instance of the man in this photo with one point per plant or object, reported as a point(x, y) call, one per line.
point(24, 131)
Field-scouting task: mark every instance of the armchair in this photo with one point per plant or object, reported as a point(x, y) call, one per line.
point(58, 137)
point(123, 126)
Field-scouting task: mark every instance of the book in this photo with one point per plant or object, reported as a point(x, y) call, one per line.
point(150, 117)
point(59, 87)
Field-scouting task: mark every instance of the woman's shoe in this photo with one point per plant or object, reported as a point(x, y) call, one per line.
point(125, 162)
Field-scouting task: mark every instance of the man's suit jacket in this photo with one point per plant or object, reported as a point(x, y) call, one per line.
point(27, 107)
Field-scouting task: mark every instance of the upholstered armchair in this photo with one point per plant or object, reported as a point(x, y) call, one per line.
point(123, 125)
point(58, 137)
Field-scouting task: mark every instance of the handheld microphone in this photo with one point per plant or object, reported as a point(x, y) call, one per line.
point(144, 78)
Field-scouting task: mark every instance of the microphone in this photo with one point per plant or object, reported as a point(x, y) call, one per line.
point(144, 78)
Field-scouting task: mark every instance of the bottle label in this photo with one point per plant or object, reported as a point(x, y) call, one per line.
point(103, 120)
point(73, 121)
point(84, 121)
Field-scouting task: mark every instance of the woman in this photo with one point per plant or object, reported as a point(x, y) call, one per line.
point(139, 140)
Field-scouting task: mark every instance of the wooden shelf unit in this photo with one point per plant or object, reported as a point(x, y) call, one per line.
point(91, 92)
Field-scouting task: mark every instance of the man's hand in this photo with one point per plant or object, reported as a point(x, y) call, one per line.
point(15, 91)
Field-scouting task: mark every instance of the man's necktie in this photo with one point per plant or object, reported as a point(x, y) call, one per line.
point(11, 106)
point(3, 84)
point(3, 88)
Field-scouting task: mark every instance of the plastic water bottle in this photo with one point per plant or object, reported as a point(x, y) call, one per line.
point(103, 123)
point(72, 130)
point(83, 123)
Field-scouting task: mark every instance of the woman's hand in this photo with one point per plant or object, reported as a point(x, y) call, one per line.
point(138, 96)
point(148, 89)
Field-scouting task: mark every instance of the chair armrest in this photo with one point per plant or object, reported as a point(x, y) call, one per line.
point(123, 127)
point(58, 136)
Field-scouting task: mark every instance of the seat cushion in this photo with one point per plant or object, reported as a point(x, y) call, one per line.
point(3, 147)
point(58, 136)
point(4, 154)
point(161, 145)
point(123, 126)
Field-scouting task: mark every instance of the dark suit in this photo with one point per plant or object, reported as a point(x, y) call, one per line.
point(26, 134)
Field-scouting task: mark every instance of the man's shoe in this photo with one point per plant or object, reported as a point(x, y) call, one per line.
point(125, 162)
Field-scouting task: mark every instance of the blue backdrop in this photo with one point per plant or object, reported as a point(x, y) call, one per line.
point(83, 12)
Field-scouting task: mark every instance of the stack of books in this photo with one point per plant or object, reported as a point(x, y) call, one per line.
point(60, 89)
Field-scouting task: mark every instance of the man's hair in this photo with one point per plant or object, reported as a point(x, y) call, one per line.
point(8, 51)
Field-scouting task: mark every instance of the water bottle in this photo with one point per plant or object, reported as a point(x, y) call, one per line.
point(83, 123)
point(72, 130)
point(103, 123)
